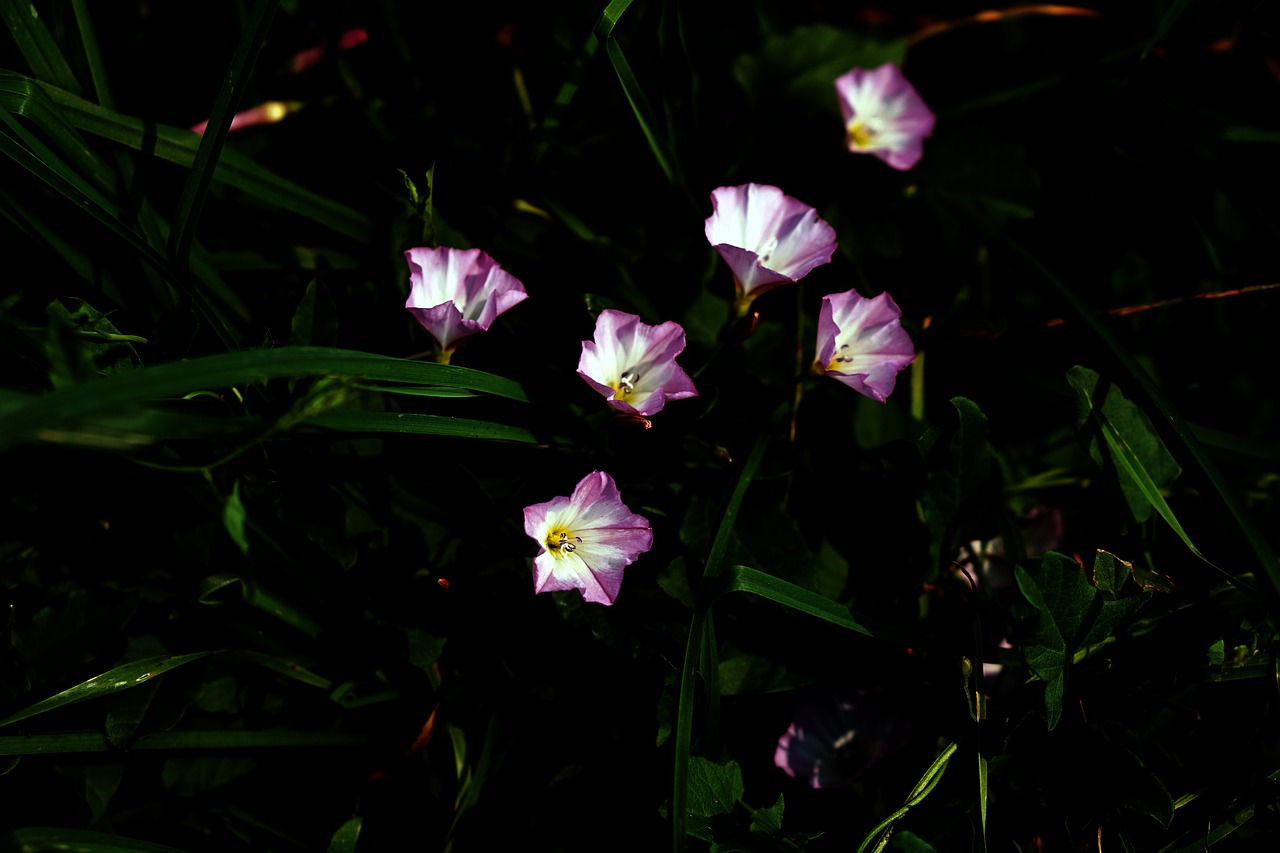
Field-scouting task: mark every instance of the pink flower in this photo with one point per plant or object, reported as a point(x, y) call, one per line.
point(455, 293)
point(634, 365)
point(861, 343)
point(766, 237)
point(833, 740)
point(883, 115)
point(586, 540)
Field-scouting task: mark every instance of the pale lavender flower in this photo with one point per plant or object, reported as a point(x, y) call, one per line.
point(455, 293)
point(586, 540)
point(766, 237)
point(883, 115)
point(861, 343)
point(634, 365)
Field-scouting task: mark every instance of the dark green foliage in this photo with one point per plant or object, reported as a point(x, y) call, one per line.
point(264, 578)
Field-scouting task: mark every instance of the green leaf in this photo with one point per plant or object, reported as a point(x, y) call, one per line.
point(315, 322)
point(69, 360)
point(233, 518)
point(713, 788)
point(41, 839)
point(61, 414)
point(1073, 614)
point(768, 821)
point(347, 837)
point(803, 64)
point(418, 424)
point(112, 681)
point(910, 842)
point(37, 44)
point(640, 108)
point(966, 468)
point(1122, 442)
point(22, 95)
point(1176, 430)
point(191, 203)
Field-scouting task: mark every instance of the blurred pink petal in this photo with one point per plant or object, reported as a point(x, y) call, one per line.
point(884, 115)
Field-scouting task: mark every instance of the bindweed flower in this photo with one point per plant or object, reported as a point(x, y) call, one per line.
point(634, 364)
point(456, 293)
point(861, 343)
point(766, 237)
point(833, 740)
point(883, 115)
point(586, 540)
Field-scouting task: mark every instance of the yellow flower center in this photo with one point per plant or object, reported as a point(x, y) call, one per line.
point(625, 385)
point(561, 542)
point(839, 360)
point(859, 135)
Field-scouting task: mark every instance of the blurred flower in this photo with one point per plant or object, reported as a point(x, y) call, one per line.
point(586, 540)
point(861, 342)
point(1041, 530)
point(634, 364)
point(766, 237)
point(267, 113)
point(455, 293)
point(883, 115)
point(833, 740)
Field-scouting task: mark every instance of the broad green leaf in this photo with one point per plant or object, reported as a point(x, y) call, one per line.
point(911, 843)
point(713, 788)
point(768, 821)
point(112, 681)
point(1122, 442)
point(1179, 434)
point(1073, 614)
point(803, 64)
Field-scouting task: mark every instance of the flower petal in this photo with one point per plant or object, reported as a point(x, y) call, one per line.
point(633, 364)
point(861, 342)
point(767, 237)
point(884, 115)
point(455, 293)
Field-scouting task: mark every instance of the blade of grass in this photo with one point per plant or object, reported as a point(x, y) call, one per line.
point(923, 788)
point(180, 146)
point(113, 681)
point(93, 56)
point(641, 109)
point(88, 742)
point(417, 424)
point(1178, 436)
point(32, 838)
point(187, 214)
point(37, 44)
point(698, 630)
point(24, 417)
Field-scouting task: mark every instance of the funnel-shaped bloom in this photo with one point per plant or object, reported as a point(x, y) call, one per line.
point(883, 115)
point(766, 237)
point(833, 740)
point(861, 342)
point(455, 293)
point(634, 364)
point(586, 540)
